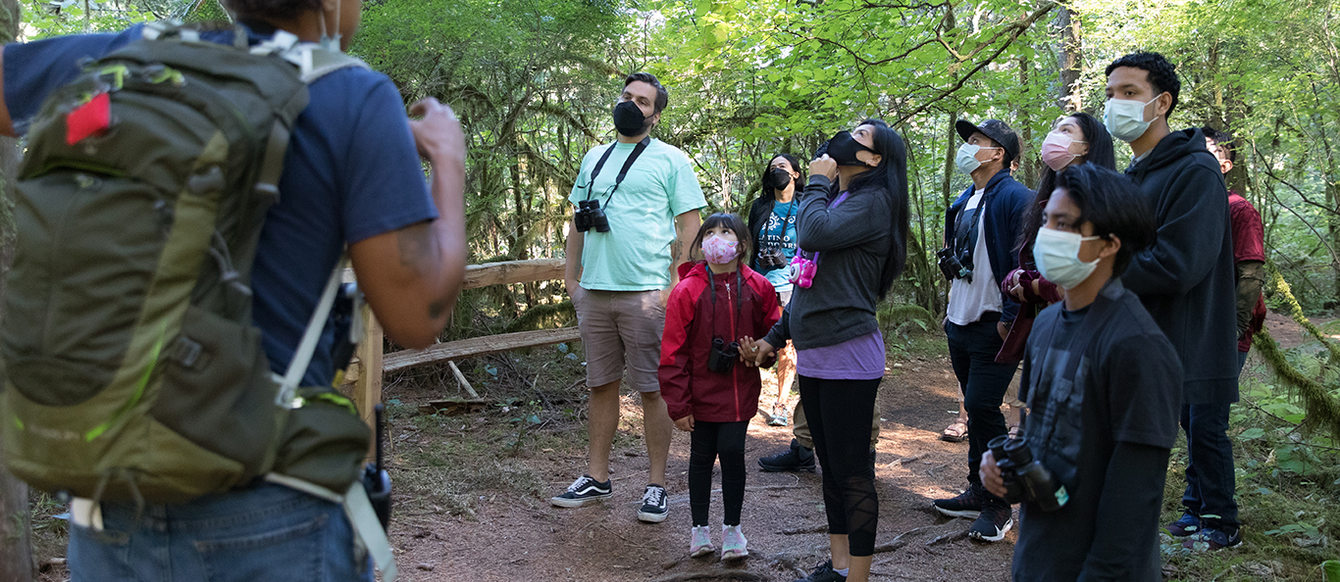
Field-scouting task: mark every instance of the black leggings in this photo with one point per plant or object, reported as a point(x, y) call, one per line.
point(838, 411)
point(708, 441)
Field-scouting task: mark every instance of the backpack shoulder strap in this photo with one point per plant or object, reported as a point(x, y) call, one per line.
point(321, 62)
point(313, 60)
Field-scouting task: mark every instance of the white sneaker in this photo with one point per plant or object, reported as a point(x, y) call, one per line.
point(700, 542)
point(733, 544)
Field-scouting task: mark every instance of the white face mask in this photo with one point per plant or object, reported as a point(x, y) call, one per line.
point(1125, 118)
point(1057, 256)
point(966, 159)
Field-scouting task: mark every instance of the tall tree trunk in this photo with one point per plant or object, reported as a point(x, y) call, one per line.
point(951, 138)
point(16, 553)
point(1333, 227)
point(1071, 60)
point(1028, 166)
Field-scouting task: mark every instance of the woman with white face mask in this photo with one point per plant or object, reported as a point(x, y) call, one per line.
point(1074, 139)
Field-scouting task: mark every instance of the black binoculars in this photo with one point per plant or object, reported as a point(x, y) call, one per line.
point(772, 258)
point(1025, 478)
point(723, 355)
point(951, 266)
point(590, 215)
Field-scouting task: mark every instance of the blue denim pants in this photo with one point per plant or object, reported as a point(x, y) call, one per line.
point(1210, 485)
point(267, 532)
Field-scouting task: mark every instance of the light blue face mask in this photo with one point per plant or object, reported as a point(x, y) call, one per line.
point(329, 42)
point(1125, 118)
point(1056, 254)
point(966, 158)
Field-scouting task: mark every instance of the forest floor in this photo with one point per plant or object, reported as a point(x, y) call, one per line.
point(512, 535)
point(472, 489)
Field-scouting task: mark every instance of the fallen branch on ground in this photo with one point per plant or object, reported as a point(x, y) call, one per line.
point(905, 461)
point(948, 537)
point(742, 575)
point(897, 541)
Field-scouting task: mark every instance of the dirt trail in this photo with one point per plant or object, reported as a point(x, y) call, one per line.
point(527, 539)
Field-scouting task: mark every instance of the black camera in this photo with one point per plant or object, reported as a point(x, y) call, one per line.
point(723, 355)
point(951, 266)
point(590, 215)
point(772, 258)
point(1025, 478)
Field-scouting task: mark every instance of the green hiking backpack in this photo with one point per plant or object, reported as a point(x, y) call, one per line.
point(133, 370)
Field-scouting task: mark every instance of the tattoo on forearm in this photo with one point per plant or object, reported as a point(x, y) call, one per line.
point(416, 246)
point(676, 248)
point(437, 308)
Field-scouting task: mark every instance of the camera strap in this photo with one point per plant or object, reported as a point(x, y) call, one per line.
point(1100, 311)
point(965, 231)
point(623, 172)
point(739, 290)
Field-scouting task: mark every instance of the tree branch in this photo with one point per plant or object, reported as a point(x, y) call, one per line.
point(1016, 30)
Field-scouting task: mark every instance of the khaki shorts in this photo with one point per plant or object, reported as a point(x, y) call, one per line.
point(622, 329)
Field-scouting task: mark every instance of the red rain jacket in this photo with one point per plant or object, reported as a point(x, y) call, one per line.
point(692, 319)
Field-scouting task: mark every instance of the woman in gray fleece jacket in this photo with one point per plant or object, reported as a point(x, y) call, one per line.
point(855, 237)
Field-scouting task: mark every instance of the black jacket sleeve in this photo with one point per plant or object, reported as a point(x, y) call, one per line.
point(821, 227)
point(781, 331)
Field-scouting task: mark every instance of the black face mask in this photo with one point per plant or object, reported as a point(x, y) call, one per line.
point(843, 149)
point(628, 119)
point(779, 178)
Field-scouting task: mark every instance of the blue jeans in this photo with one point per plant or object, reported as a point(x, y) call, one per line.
point(267, 532)
point(972, 352)
point(1209, 469)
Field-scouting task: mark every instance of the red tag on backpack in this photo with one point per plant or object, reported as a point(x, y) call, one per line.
point(88, 119)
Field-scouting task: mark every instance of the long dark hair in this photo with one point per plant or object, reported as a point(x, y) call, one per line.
point(731, 221)
point(763, 205)
point(1100, 154)
point(890, 177)
point(768, 191)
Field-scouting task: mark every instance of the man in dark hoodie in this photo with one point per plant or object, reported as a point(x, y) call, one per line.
point(981, 228)
point(1185, 280)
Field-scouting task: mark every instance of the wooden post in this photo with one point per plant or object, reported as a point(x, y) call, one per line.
point(368, 386)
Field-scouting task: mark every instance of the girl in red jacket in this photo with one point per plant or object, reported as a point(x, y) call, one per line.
point(707, 390)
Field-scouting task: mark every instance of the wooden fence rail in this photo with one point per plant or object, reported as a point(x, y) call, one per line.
point(367, 387)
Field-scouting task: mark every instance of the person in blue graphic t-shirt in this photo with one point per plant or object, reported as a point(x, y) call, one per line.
point(772, 223)
point(351, 177)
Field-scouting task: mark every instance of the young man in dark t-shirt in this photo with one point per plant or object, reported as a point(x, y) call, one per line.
point(1103, 387)
point(1249, 249)
point(351, 179)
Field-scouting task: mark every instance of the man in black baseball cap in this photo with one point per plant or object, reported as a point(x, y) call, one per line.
point(1000, 134)
point(981, 228)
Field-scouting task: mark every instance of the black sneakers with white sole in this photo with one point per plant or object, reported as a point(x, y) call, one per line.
point(582, 491)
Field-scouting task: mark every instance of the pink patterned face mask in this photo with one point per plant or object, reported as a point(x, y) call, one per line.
point(720, 251)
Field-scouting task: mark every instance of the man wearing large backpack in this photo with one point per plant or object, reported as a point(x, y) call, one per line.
point(350, 177)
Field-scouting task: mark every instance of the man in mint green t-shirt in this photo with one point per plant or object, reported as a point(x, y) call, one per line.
point(636, 210)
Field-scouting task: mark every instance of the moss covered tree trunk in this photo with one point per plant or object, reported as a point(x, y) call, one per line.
point(16, 554)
